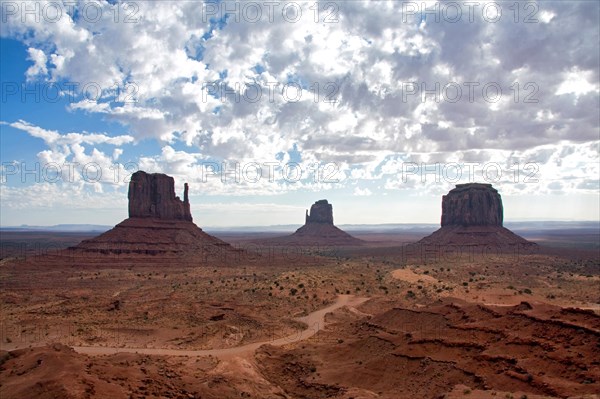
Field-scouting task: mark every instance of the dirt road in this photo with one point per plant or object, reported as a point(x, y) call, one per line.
point(315, 322)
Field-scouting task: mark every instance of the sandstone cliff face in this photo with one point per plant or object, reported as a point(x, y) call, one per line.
point(472, 215)
point(320, 212)
point(472, 204)
point(159, 230)
point(153, 196)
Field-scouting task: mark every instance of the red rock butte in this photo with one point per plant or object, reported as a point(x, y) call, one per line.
point(318, 230)
point(472, 214)
point(472, 204)
point(320, 212)
point(159, 224)
point(153, 196)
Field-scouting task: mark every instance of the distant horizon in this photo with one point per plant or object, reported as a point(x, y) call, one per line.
point(353, 226)
point(378, 110)
point(405, 207)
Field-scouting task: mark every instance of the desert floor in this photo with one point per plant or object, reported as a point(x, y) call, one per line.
point(378, 321)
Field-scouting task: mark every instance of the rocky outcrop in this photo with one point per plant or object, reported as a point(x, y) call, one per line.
point(159, 229)
point(472, 204)
point(472, 215)
point(318, 230)
point(320, 212)
point(153, 196)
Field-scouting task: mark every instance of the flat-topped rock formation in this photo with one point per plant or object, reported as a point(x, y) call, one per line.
point(159, 224)
point(472, 204)
point(318, 230)
point(320, 212)
point(472, 214)
point(153, 196)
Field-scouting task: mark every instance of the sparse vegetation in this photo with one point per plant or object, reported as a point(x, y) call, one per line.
point(254, 310)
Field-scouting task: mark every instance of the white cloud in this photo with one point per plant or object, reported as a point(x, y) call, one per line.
point(577, 82)
point(365, 56)
point(39, 63)
point(166, 79)
point(73, 160)
point(546, 16)
point(362, 192)
point(54, 138)
point(61, 197)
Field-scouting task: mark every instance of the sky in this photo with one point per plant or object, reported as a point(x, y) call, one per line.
point(381, 107)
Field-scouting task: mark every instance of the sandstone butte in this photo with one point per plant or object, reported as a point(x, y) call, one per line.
point(159, 224)
point(318, 230)
point(472, 214)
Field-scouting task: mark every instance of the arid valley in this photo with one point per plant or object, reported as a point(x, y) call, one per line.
point(158, 308)
point(299, 199)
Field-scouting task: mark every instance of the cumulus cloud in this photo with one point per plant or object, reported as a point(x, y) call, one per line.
point(368, 86)
point(183, 68)
point(77, 161)
point(39, 63)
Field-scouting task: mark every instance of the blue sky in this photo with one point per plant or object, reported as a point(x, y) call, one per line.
point(366, 91)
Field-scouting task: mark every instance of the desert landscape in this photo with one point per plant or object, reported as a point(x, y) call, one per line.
point(158, 308)
point(299, 199)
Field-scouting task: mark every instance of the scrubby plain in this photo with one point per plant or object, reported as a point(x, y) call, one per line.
point(433, 324)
